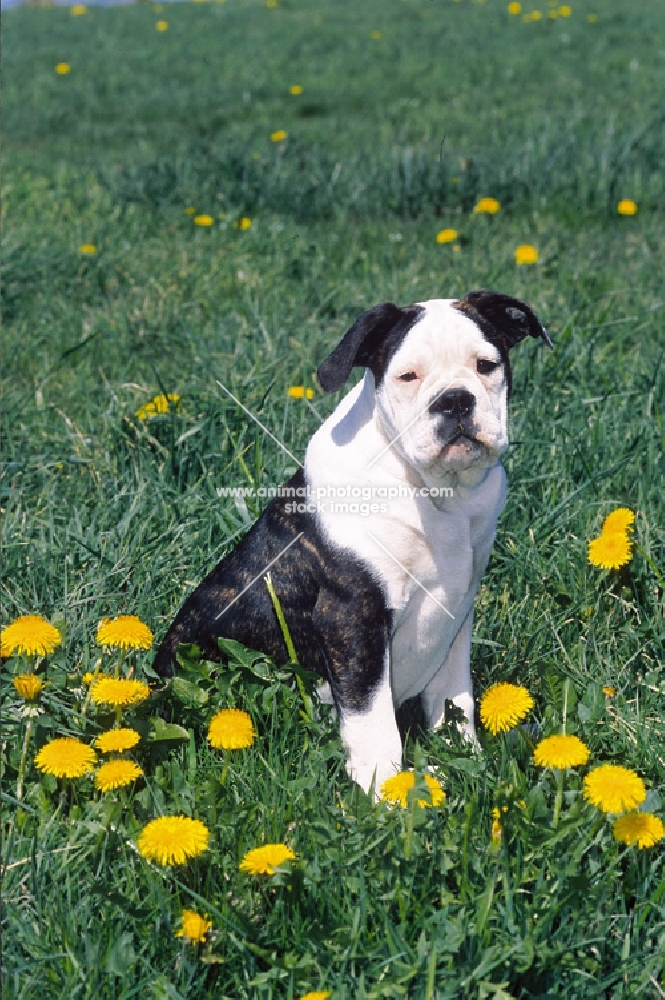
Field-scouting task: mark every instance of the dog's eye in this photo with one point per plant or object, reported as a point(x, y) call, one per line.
point(485, 367)
point(408, 377)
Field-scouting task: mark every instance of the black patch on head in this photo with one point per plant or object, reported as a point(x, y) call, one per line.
point(371, 342)
point(334, 607)
point(503, 321)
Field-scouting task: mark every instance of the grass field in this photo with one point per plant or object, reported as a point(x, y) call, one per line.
point(409, 113)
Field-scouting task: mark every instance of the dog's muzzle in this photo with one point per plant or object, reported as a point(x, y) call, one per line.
point(455, 409)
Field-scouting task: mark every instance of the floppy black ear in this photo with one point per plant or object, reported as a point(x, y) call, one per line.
point(371, 341)
point(504, 320)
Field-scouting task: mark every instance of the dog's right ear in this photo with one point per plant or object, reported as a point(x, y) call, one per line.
point(371, 342)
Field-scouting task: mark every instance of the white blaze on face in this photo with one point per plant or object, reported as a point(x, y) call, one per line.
point(444, 350)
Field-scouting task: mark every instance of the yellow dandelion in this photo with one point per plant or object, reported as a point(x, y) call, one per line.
point(536, 15)
point(295, 89)
point(627, 207)
point(271, 4)
point(190, 210)
point(561, 752)
point(610, 550)
point(526, 254)
point(63, 68)
point(78, 10)
point(446, 236)
point(609, 691)
point(244, 223)
point(300, 392)
point(376, 35)
point(160, 404)
point(487, 206)
point(614, 789)
point(514, 8)
point(278, 136)
point(116, 774)
point(118, 692)
point(503, 706)
point(124, 632)
point(231, 729)
point(66, 758)
point(89, 249)
point(28, 686)
point(117, 740)
point(553, 15)
point(193, 926)
point(565, 10)
point(172, 840)
point(621, 519)
point(264, 860)
point(29, 634)
point(641, 829)
point(162, 26)
point(203, 220)
point(88, 677)
point(396, 789)
point(316, 995)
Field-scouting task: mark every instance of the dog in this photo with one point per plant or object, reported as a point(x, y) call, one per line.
point(377, 545)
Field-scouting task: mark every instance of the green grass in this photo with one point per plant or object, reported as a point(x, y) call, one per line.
point(391, 140)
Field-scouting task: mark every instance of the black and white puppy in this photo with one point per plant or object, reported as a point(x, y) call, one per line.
point(377, 562)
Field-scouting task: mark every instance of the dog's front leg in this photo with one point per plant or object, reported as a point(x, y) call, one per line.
point(452, 682)
point(357, 645)
point(371, 737)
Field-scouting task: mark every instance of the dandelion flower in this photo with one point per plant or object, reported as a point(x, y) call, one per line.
point(63, 68)
point(627, 207)
point(503, 706)
point(162, 26)
point(536, 15)
point(621, 519)
point(610, 550)
point(278, 136)
point(300, 392)
point(565, 11)
point(116, 774)
point(78, 10)
point(641, 829)
point(193, 926)
point(609, 691)
point(172, 840)
point(396, 789)
point(28, 686)
point(244, 223)
point(316, 995)
point(203, 220)
point(264, 860)
point(526, 254)
point(446, 236)
point(29, 634)
point(561, 752)
point(118, 692)
point(66, 758)
point(190, 210)
point(376, 35)
point(487, 206)
point(231, 729)
point(514, 8)
point(496, 826)
point(88, 677)
point(89, 249)
point(160, 404)
point(271, 4)
point(124, 632)
point(614, 789)
point(117, 740)
point(295, 89)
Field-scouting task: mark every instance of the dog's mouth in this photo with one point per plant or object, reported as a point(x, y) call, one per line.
point(462, 445)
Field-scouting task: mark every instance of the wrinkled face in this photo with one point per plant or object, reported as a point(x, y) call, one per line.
point(443, 394)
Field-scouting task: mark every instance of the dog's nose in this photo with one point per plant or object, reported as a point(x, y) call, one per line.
point(455, 403)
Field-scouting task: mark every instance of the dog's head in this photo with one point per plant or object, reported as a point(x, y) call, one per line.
point(442, 375)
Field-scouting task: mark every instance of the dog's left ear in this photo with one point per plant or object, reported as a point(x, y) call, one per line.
point(371, 341)
point(504, 320)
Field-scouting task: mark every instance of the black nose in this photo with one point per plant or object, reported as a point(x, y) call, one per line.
point(455, 403)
